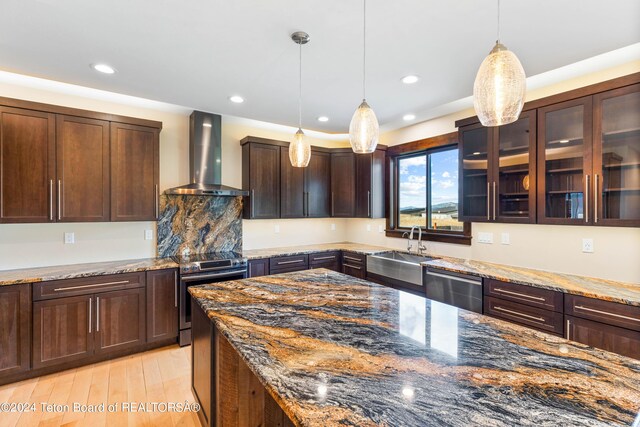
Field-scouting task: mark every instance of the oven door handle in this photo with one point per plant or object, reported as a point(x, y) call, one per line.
point(195, 277)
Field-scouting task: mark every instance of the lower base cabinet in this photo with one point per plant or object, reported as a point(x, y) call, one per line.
point(328, 260)
point(258, 267)
point(162, 305)
point(15, 329)
point(354, 265)
point(606, 337)
point(120, 320)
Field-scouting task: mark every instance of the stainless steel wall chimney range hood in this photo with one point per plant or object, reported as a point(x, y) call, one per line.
point(205, 159)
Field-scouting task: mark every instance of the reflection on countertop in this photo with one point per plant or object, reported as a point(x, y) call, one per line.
point(336, 350)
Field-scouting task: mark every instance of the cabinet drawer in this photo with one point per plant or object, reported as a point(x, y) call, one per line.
point(353, 258)
point(522, 294)
point(288, 263)
point(611, 313)
point(542, 320)
point(86, 285)
point(323, 258)
point(354, 269)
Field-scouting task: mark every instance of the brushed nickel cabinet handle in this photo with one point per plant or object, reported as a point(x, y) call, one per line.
point(290, 262)
point(606, 313)
point(157, 203)
point(494, 201)
point(368, 204)
point(97, 314)
point(252, 201)
point(90, 304)
point(333, 205)
point(51, 200)
point(352, 258)
point(59, 199)
point(353, 266)
point(488, 201)
point(515, 313)
point(175, 284)
point(568, 334)
point(596, 196)
point(70, 288)
point(587, 178)
point(504, 291)
point(324, 257)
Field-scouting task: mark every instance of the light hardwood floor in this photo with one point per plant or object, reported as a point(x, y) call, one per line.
point(162, 375)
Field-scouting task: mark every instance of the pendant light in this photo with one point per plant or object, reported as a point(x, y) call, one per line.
point(299, 149)
point(500, 85)
point(364, 129)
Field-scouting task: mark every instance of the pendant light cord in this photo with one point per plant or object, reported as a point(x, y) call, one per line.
point(498, 36)
point(364, 49)
point(300, 89)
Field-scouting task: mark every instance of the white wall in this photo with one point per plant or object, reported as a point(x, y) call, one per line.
point(546, 247)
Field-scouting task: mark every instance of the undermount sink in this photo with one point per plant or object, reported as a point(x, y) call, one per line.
point(397, 265)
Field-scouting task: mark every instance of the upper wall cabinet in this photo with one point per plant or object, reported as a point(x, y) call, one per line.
point(343, 184)
point(66, 165)
point(261, 178)
point(583, 170)
point(27, 166)
point(317, 185)
point(497, 166)
point(135, 172)
point(370, 176)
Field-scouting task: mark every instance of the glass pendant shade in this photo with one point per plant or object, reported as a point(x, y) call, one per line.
point(499, 88)
point(364, 130)
point(299, 151)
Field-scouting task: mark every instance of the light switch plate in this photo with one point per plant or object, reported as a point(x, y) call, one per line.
point(69, 237)
point(276, 229)
point(484, 237)
point(148, 234)
point(368, 227)
point(333, 227)
point(587, 246)
point(505, 239)
point(380, 229)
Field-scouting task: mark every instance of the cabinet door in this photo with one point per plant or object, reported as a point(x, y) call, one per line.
point(261, 177)
point(475, 150)
point(82, 150)
point(606, 337)
point(616, 157)
point(62, 330)
point(370, 178)
point(162, 305)
point(564, 163)
point(120, 320)
point(15, 335)
point(292, 193)
point(318, 185)
point(259, 267)
point(134, 172)
point(27, 166)
point(514, 171)
point(343, 188)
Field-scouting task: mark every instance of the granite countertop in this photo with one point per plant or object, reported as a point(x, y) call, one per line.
point(308, 249)
point(609, 290)
point(58, 272)
point(334, 350)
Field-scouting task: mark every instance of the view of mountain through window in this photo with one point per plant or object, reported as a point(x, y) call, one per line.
point(432, 202)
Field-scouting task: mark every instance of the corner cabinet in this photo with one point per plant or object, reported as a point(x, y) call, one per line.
point(497, 166)
point(370, 180)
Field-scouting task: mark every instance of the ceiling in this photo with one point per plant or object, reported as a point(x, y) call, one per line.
point(198, 53)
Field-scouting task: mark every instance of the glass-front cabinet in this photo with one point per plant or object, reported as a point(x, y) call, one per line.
point(564, 162)
point(616, 157)
point(475, 149)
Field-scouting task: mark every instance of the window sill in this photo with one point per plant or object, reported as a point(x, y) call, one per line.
point(442, 237)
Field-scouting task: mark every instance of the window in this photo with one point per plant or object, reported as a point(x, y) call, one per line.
point(424, 190)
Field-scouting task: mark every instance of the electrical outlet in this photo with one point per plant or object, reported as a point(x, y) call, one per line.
point(368, 227)
point(485, 237)
point(505, 239)
point(380, 229)
point(587, 246)
point(333, 227)
point(69, 238)
point(276, 229)
point(148, 234)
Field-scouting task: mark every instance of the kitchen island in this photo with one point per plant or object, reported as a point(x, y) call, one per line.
point(319, 348)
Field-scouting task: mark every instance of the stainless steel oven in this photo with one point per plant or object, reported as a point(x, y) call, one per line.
point(208, 268)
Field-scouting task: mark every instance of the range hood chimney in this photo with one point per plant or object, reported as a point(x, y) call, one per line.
point(205, 159)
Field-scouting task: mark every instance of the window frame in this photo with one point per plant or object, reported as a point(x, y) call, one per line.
point(411, 149)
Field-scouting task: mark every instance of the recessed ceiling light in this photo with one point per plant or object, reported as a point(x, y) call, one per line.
point(323, 119)
point(103, 68)
point(408, 117)
point(236, 99)
point(410, 79)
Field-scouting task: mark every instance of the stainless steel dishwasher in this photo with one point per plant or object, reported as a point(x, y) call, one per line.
point(457, 289)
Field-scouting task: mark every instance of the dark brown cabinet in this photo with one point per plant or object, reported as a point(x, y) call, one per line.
point(15, 322)
point(258, 267)
point(606, 337)
point(370, 177)
point(261, 178)
point(343, 184)
point(82, 156)
point(120, 320)
point(27, 166)
point(317, 185)
point(497, 166)
point(288, 264)
point(354, 264)
point(292, 189)
point(328, 260)
point(162, 305)
point(135, 167)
